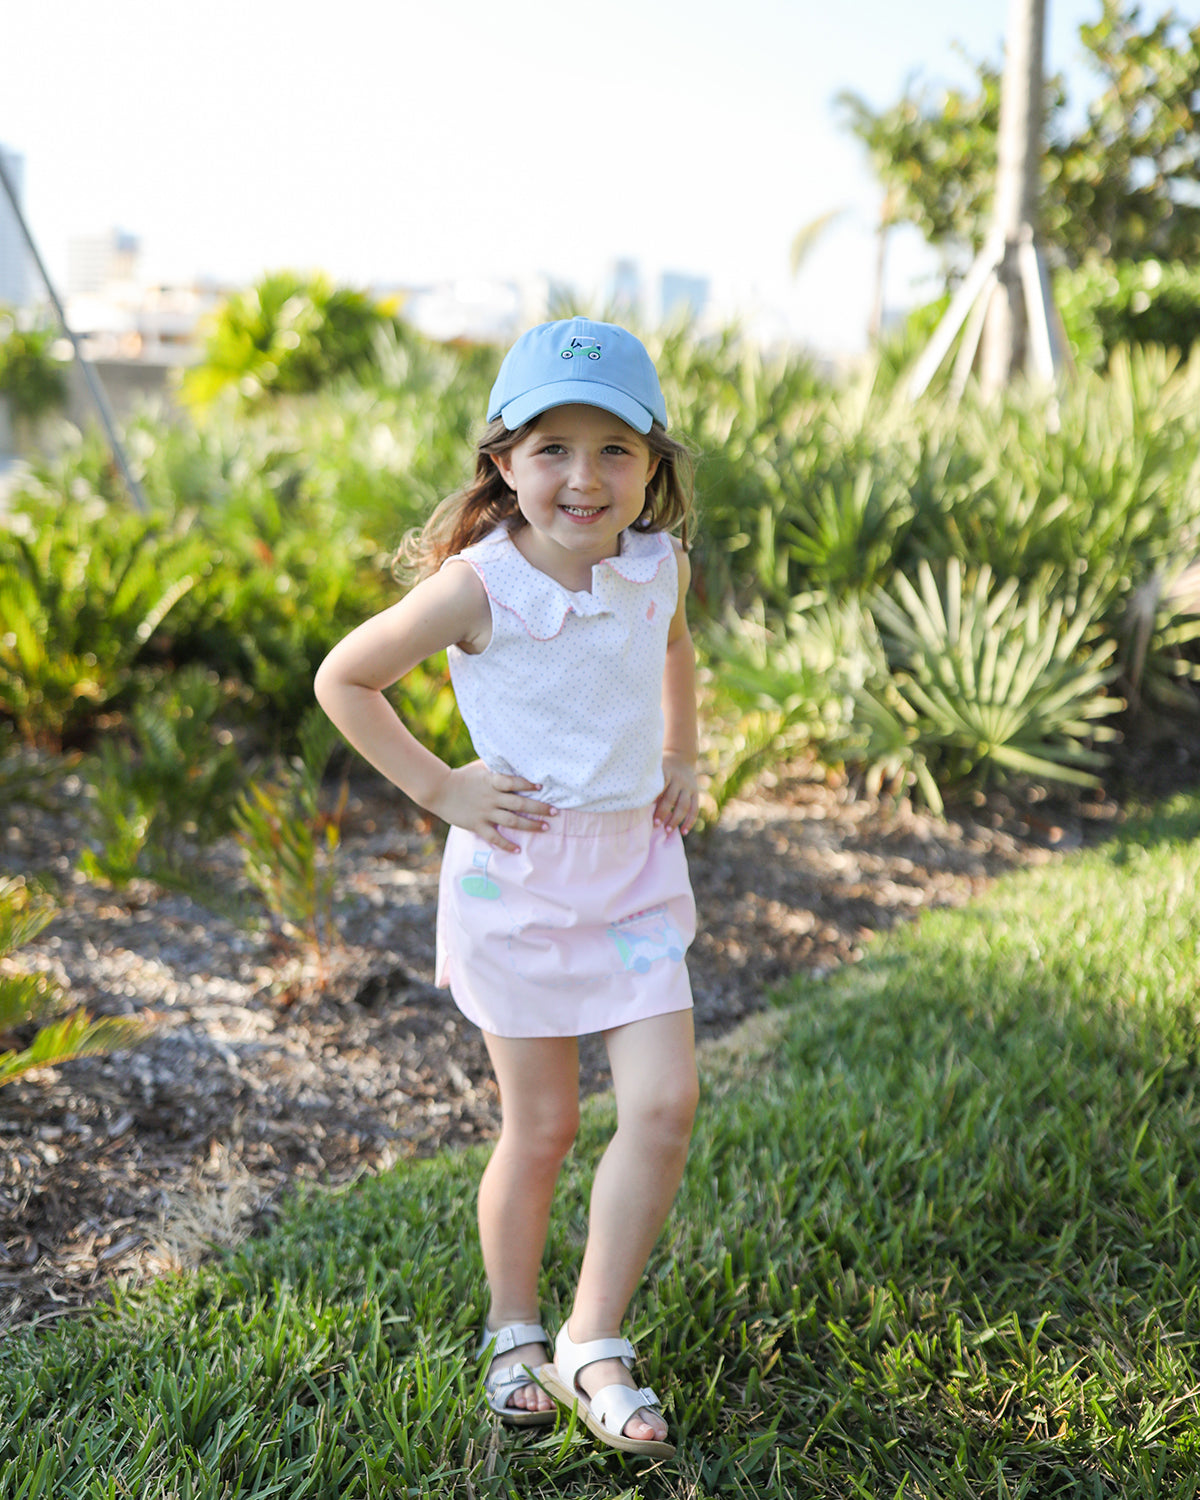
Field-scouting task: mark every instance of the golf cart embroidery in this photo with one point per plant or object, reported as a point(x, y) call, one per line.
point(645, 937)
point(581, 347)
point(481, 884)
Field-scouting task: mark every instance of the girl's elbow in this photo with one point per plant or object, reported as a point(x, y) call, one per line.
point(338, 692)
point(325, 684)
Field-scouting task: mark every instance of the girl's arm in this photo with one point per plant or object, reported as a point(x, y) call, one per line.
point(678, 804)
point(448, 608)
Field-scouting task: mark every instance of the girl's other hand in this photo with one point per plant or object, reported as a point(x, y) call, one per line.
point(484, 803)
point(678, 804)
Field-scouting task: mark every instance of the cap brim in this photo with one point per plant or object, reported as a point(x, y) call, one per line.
point(571, 392)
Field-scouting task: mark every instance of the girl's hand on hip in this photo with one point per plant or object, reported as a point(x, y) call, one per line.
point(485, 803)
point(678, 804)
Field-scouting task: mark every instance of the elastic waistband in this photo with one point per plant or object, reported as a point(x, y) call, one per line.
point(583, 823)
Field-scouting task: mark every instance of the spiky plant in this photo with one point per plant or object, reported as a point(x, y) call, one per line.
point(34, 1000)
point(289, 841)
point(82, 591)
point(987, 678)
point(776, 690)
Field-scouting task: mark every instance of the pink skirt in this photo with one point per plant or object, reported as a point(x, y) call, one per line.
point(585, 928)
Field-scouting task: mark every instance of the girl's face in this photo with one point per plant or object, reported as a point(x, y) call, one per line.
point(580, 479)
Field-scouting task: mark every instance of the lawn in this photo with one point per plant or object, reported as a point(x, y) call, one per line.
point(939, 1236)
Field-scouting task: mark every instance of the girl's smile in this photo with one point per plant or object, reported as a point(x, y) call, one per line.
point(580, 479)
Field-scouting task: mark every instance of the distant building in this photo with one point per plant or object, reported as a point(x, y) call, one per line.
point(623, 289)
point(151, 324)
point(118, 317)
point(682, 296)
point(97, 262)
point(14, 256)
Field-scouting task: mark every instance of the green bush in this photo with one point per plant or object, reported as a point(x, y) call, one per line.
point(747, 416)
point(30, 376)
point(1104, 305)
point(288, 334)
point(85, 588)
point(289, 841)
point(926, 686)
point(984, 678)
point(1097, 500)
point(30, 1036)
point(273, 529)
point(171, 783)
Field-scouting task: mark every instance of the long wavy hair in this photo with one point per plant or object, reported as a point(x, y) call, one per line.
point(467, 516)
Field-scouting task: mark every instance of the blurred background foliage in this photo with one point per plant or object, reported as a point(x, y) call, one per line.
point(1117, 182)
point(927, 598)
point(32, 379)
point(288, 334)
point(1120, 201)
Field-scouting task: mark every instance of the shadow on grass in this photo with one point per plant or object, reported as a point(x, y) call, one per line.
point(938, 1236)
point(1173, 822)
point(982, 1163)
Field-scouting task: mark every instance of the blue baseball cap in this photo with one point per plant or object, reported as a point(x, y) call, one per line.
point(576, 360)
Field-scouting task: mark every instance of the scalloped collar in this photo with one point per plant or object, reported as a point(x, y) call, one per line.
point(540, 602)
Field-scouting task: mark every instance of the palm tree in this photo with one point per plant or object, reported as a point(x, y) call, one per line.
point(1015, 304)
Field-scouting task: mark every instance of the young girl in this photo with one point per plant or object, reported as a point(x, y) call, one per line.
point(564, 904)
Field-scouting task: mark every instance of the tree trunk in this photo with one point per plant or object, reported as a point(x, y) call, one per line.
point(1002, 353)
point(875, 325)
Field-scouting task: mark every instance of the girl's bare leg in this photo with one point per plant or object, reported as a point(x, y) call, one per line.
point(654, 1079)
point(539, 1102)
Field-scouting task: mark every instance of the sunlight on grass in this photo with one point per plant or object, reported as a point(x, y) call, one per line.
point(939, 1236)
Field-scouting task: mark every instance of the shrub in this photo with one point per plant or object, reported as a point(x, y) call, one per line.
point(30, 376)
point(1103, 305)
point(289, 841)
point(945, 683)
point(288, 334)
point(985, 678)
point(176, 777)
point(29, 1001)
point(84, 589)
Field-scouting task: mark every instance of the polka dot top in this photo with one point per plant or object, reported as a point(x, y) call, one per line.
point(568, 691)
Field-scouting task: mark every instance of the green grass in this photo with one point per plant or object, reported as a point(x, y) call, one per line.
point(939, 1236)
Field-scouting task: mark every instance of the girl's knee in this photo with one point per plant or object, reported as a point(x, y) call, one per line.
point(544, 1137)
point(560, 1132)
point(667, 1116)
point(539, 1095)
point(654, 1077)
point(684, 1101)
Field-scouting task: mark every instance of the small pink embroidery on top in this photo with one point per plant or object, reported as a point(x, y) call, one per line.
point(650, 611)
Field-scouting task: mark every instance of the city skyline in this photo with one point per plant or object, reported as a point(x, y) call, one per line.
point(395, 146)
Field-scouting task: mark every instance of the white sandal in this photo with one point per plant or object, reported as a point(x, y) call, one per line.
point(503, 1383)
point(607, 1412)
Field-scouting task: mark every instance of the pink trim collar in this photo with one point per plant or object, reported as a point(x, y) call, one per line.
point(502, 569)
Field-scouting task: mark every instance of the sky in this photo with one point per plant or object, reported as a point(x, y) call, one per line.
point(402, 142)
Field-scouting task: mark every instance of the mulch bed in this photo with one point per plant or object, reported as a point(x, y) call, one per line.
point(259, 1071)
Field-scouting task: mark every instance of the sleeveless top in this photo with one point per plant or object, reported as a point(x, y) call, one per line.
point(568, 691)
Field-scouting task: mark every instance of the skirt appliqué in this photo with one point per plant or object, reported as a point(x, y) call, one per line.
point(584, 928)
